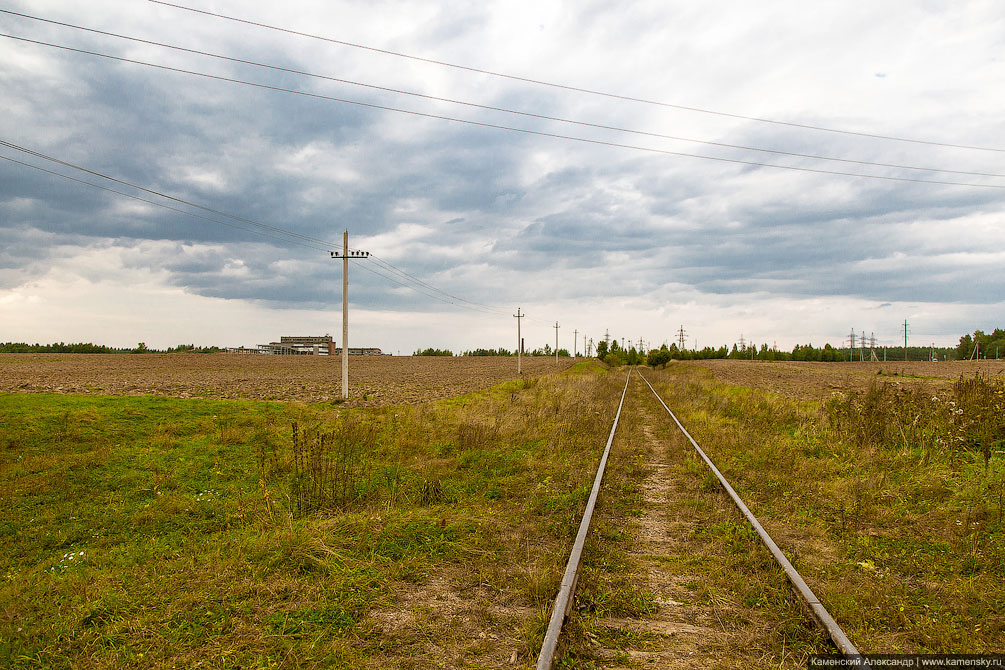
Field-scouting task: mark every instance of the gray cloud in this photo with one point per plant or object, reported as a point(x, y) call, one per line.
point(485, 214)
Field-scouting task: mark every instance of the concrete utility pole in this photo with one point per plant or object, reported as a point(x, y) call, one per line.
point(556, 343)
point(345, 256)
point(575, 342)
point(519, 341)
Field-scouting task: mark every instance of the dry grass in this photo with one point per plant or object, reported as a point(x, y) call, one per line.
point(897, 528)
point(673, 576)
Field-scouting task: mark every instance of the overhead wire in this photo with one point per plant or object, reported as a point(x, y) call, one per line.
point(415, 279)
point(162, 205)
point(281, 234)
point(482, 124)
point(567, 87)
point(418, 289)
point(544, 117)
point(116, 180)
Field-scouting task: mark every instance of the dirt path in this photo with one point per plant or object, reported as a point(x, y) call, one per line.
point(720, 600)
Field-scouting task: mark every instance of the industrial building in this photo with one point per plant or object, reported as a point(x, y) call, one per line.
point(309, 345)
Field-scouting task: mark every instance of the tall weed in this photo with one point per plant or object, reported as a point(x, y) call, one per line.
point(332, 468)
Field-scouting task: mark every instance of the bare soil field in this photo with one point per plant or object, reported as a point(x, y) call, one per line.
point(373, 380)
point(820, 380)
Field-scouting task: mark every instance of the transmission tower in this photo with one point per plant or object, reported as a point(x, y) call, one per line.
point(681, 334)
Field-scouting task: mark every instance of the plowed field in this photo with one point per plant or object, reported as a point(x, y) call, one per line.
point(373, 380)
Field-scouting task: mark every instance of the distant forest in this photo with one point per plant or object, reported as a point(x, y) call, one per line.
point(89, 348)
point(979, 345)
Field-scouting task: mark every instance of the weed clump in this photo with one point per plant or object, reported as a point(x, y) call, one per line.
point(330, 471)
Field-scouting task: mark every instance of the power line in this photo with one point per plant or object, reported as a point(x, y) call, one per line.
point(281, 233)
point(52, 159)
point(525, 131)
point(162, 205)
point(493, 108)
point(576, 89)
point(416, 280)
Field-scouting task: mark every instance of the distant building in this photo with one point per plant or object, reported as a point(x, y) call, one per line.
point(296, 345)
point(360, 351)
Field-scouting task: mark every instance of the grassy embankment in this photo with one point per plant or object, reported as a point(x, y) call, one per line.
point(890, 502)
point(152, 531)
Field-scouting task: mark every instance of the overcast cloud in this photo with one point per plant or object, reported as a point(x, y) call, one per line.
point(597, 237)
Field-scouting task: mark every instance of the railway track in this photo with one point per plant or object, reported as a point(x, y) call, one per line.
point(564, 600)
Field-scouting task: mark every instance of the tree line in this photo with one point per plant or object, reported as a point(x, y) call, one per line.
point(990, 345)
point(981, 344)
point(91, 348)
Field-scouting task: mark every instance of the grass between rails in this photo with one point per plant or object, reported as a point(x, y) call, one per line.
point(673, 576)
point(151, 531)
point(889, 502)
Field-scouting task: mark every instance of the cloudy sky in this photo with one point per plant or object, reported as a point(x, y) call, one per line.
point(695, 169)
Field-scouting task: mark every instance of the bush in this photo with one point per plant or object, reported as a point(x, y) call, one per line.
point(433, 352)
point(614, 360)
point(658, 357)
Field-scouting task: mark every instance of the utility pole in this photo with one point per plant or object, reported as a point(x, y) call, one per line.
point(519, 341)
point(556, 343)
point(861, 353)
point(585, 349)
point(905, 340)
point(575, 342)
point(345, 256)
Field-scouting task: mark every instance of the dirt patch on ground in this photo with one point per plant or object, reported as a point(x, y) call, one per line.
point(472, 620)
point(819, 380)
point(373, 380)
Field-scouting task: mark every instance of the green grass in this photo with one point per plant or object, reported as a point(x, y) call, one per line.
point(884, 500)
point(154, 531)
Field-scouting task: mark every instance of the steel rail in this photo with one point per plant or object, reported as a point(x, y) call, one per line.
point(563, 602)
point(820, 613)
